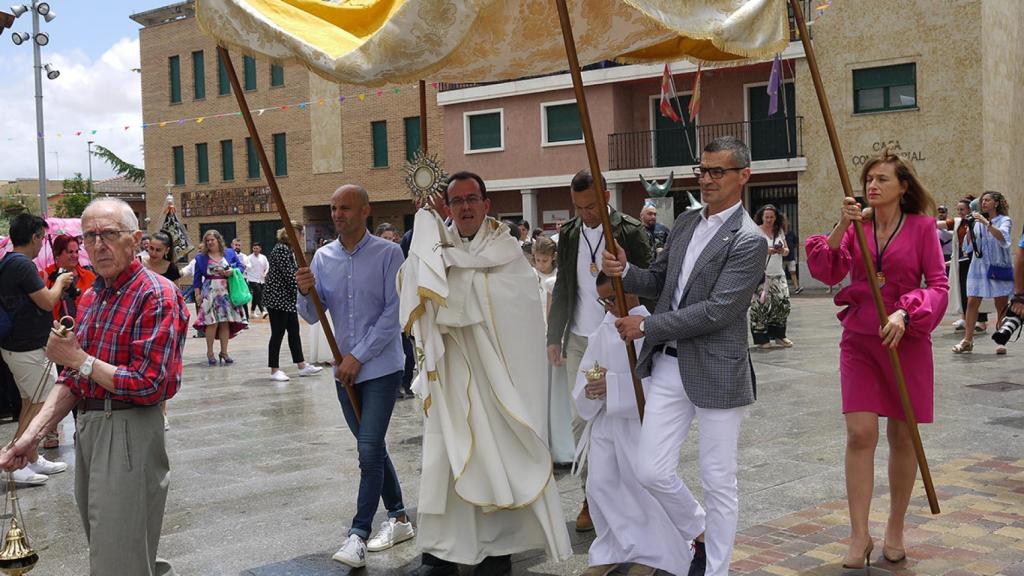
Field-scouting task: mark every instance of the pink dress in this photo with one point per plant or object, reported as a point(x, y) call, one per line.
point(866, 376)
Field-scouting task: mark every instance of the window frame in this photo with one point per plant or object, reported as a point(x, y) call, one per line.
point(202, 163)
point(466, 120)
point(174, 79)
point(198, 75)
point(252, 161)
point(544, 142)
point(227, 161)
point(373, 144)
point(886, 105)
point(223, 82)
point(178, 165)
point(273, 80)
point(411, 152)
point(280, 154)
point(249, 73)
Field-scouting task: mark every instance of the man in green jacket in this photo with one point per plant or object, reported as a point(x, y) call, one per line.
point(575, 312)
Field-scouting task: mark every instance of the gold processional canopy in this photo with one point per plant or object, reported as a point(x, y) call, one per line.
point(374, 42)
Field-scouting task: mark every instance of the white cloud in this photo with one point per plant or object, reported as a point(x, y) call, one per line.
point(103, 95)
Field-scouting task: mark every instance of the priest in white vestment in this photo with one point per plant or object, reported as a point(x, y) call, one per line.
point(469, 297)
point(631, 526)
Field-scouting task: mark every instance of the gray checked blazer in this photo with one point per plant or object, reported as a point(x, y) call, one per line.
point(709, 330)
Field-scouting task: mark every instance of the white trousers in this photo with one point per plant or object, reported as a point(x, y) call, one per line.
point(666, 425)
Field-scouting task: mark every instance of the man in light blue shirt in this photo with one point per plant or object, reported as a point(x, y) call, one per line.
point(355, 278)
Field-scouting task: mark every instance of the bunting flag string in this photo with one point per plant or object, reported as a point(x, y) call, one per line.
point(201, 119)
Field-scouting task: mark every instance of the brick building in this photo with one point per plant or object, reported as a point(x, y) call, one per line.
point(212, 170)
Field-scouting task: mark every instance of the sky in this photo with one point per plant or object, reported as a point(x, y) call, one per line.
point(95, 46)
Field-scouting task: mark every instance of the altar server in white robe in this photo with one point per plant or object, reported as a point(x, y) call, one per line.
point(631, 526)
point(466, 293)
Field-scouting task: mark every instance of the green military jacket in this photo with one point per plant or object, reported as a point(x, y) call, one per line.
point(629, 233)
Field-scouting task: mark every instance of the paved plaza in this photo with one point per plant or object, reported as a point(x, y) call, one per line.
point(264, 474)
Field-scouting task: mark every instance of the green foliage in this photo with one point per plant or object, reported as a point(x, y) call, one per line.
point(130, 171)
point(75, 199)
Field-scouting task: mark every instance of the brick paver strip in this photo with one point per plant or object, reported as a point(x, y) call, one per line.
point(980, 530)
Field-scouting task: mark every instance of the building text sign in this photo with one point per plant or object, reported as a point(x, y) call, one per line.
point(249, 200)
point(894, 147)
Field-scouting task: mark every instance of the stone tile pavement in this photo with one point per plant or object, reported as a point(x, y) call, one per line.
point(264, 474)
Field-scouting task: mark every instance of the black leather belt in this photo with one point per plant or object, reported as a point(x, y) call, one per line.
point(99, 405)
point(666, 349)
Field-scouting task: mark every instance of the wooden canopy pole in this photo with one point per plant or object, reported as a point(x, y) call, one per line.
point(595, 170)
point(423, 116)
point(293, 239)
point(876, 293)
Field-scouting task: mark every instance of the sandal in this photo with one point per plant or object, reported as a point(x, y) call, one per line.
point(1000, 349)
point(964, 347)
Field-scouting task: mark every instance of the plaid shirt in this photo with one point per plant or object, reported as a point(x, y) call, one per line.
point(138, 324)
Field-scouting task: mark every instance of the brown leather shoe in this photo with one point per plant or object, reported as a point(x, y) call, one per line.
point(583, 521)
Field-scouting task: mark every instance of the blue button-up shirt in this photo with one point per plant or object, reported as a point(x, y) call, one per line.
point(358, 288)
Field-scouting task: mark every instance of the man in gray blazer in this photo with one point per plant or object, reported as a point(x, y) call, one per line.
point(695, 351)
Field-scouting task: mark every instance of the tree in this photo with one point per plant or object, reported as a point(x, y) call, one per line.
point(131, 172)
point(75, 197)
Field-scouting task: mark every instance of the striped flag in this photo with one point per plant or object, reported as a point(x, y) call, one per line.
point(668, 96)
point(695, 98)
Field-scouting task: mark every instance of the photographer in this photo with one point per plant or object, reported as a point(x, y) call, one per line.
point(991, 271)
point(1015, 315)
point(65, 259)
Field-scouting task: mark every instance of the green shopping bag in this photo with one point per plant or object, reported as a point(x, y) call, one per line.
point(238, 289)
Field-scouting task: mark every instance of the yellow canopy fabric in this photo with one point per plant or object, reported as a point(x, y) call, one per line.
point(373, 42)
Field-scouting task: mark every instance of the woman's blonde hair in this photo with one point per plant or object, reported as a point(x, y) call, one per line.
point(215, 234)
point(282, 233)
point(544, 246)
point(917, 199)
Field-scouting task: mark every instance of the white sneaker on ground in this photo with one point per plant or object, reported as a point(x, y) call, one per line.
point(279, 376)
point(352, 552)
point(44, 466)
point(167, 423)
point(391, 532)
point(27, 476)
point(310, 370)
point(959, 325)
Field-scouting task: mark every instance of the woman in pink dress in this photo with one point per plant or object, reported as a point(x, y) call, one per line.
point(902, 241)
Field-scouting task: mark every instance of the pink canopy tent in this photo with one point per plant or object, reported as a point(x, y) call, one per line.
point(57, 226)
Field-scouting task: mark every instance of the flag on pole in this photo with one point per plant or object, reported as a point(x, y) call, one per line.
point(668, 96)
point(773, 85)
point(695, 97)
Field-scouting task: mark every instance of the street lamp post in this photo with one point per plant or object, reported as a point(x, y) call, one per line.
point(39, 39)
point(90, 168)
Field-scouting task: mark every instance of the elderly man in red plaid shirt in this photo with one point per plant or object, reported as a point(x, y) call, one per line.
point(123, 360)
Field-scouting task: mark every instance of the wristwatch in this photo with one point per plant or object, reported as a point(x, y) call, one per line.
point(906, 317)
point(642, 331)
point(86, 368)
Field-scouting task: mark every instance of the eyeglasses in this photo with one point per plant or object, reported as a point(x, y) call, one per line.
point(607, 302)
point(108, 236)
point(714, 173)
point(468, 201)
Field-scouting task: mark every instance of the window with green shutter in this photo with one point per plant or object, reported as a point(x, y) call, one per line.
point(885, 88)
point(249, 64)
point(379, 135)
point(252, 162)
point(280, 155)
point(179, 165)
point(223, 84)
point(276, 75)
point(412, 137)
point(562, 123)
point(227, 160)
point(202, 164)
point(484, 131)
point(198, 75)
point(174, 67)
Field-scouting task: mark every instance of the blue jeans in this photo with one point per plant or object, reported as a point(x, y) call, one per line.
point(377, 477)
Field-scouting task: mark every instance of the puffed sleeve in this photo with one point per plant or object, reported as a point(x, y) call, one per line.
point(825, 264)
point(926, 306)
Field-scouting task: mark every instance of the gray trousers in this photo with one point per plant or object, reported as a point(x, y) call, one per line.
point(575, 348)
point(121, 487)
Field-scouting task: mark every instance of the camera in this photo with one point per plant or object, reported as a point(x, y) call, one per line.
point(1011, 323)
point(72, 291)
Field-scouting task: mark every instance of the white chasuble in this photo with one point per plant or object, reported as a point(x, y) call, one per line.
point(631, 525)
point(473, 307)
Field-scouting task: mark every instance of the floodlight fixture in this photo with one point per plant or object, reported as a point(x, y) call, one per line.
point(51, 72)
point(50, 16)
point(19, 37)
point(18, 9)
point(42, 38)
point(42, 8)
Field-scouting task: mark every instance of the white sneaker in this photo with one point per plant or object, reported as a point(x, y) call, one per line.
point(279, 376)
point(391, 532)
point(27, 476)
point(310, 370)
point(959, 325)
point(44, 466)
point(352, 552)
point(167, 423)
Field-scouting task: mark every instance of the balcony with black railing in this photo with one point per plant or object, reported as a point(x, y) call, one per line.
point(772, 139)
